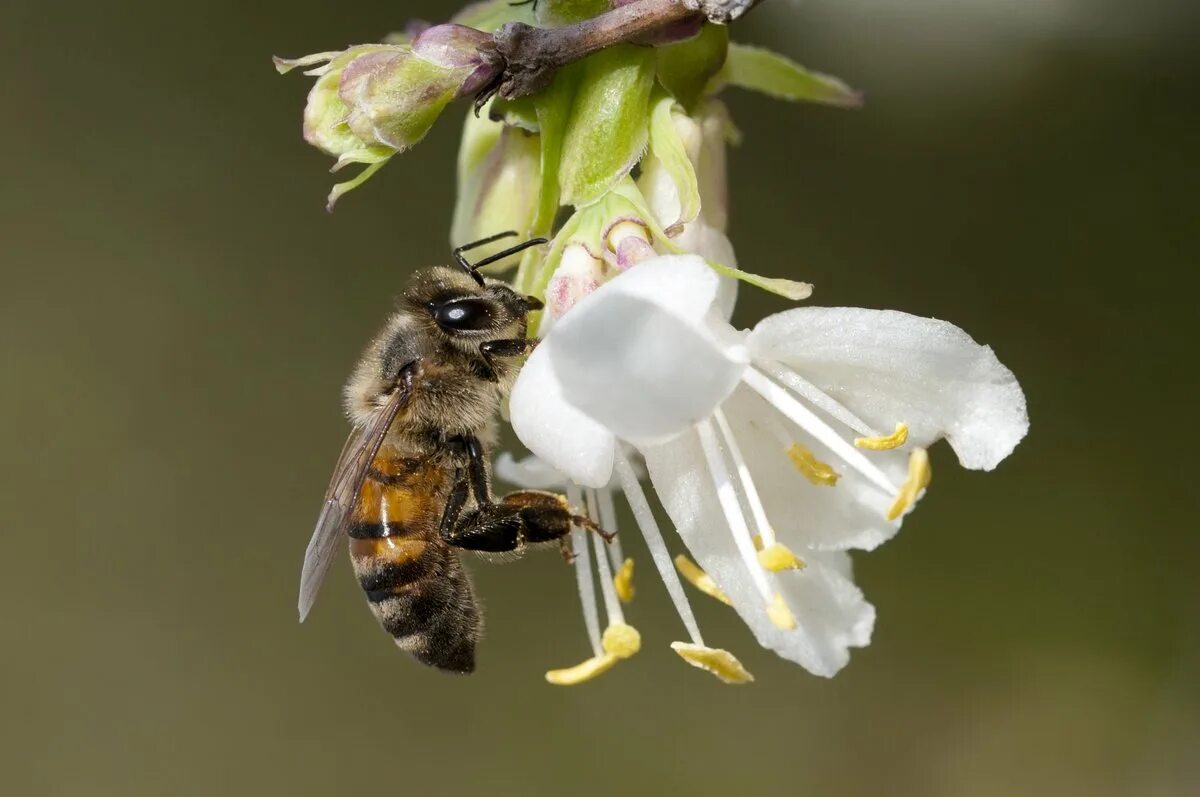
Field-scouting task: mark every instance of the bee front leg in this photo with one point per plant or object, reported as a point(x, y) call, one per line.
point(513, 347)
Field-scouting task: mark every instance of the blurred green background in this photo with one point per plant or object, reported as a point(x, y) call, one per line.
point(178, 313)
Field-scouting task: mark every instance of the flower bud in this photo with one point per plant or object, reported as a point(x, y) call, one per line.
point(499, 176)
point(395, 94)
point(372, 101)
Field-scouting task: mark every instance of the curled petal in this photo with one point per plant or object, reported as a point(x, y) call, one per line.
point(639, 355)
point(556, 431)
point(889, 367)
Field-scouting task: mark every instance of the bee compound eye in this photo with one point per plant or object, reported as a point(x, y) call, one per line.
point(463, 315)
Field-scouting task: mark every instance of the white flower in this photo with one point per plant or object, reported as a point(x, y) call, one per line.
point(770, 448)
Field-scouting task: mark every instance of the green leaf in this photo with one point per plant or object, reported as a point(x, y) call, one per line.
point(685, 68)
point(775, 75)
point(667, 151)
point(609, 124)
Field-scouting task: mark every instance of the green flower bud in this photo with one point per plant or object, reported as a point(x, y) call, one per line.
point(609, 123)
point(499, 175)
point(372, 101)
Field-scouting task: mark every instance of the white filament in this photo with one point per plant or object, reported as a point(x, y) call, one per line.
point(608, 522)
point(728, 498)
point(612, 604)
point(757, 511)
point(807, 420)
point(656, 544)
point(815, 396)
point(583, 575)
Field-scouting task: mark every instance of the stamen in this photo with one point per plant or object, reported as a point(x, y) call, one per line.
point(757, 511)
point(585, 671)
point(623, 582)
point(818, 473)
point(919, 476)
point(608, 522)
point(658, 548)
point(815, 396)
point(612, 605)
point(893, 440)
point(583, 575)
point(727, 497)
point(720, 663)
point(807, 420)
point(700, 580)
point(620, 642)
point(779, 557)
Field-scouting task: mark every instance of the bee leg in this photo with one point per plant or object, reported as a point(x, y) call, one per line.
point(454, 504)
point(513, 347)
point(526, 516)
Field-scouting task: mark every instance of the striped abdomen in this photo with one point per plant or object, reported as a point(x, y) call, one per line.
point(414, 582)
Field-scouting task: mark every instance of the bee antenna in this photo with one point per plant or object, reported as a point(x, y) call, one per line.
point(473, 268)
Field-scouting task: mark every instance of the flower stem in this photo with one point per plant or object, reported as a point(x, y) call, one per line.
point(532, 55)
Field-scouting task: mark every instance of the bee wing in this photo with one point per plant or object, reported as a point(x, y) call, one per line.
point(357, 455)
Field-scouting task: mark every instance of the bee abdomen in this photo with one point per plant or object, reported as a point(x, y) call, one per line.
point(420, 595)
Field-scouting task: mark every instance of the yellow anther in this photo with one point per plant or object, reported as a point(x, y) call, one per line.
point(720, 663)
point(779, 557)
point(887, 443)
point(780, 614)
point(919, 476)
point(621, 640)
point(700, 580)
point(582, 672)
point(813, 469)
point(623, 582)
point(757, 538)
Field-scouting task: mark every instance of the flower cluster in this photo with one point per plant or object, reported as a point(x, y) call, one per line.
point(775, 450)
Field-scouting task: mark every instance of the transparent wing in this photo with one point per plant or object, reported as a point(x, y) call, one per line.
point(357, 455)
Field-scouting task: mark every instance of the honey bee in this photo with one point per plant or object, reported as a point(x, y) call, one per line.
point(412, 484)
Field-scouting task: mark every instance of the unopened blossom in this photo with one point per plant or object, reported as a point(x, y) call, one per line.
point(773, 450)
point(372, 101)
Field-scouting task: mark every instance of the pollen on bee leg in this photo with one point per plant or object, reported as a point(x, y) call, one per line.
point(720, 663)
point(811, 468)
point(780, 614)
point(700, 580)
point(623, 582)
point(919, 476)
point(885, 443)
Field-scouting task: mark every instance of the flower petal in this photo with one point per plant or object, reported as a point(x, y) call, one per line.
point(889, 367)
point(554, 430)
point(830, 610)
point(528, 473)
point(638, 357)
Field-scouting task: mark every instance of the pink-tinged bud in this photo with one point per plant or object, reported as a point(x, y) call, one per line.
point(579, 273)
point(386, 97)
point(628, 242)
